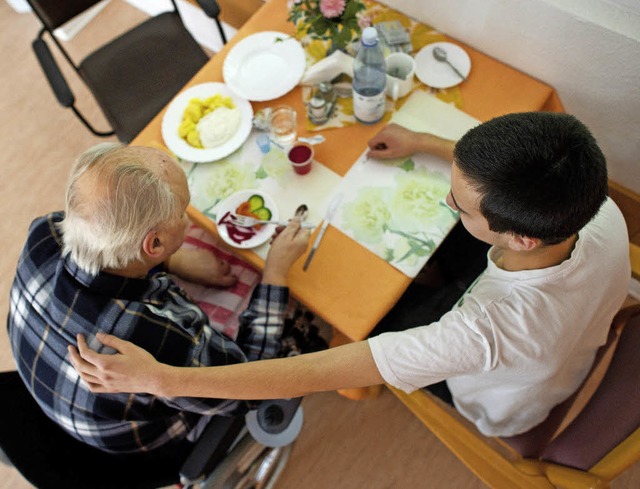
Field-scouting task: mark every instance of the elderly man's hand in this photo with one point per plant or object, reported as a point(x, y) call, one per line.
point(286, 248)
point(202, 267)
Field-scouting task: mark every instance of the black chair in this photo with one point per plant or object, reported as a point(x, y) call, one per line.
point(131, 77)
point(226, 452)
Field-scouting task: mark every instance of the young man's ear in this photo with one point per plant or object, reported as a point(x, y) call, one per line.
point(523, 243)
point(151, 245)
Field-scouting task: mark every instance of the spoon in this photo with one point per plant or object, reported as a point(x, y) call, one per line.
point(441, 55)
point(302, 211)
point(315, 139)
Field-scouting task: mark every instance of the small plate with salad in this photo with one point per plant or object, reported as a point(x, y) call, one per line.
point(252, 203)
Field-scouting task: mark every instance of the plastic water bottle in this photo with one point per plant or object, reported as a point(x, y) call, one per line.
point(369, 79)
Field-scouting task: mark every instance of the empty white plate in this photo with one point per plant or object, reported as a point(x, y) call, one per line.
point(264, 66)
point(438, 74)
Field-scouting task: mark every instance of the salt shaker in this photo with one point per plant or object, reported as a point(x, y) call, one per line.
point(317, 109)
point(321, 103)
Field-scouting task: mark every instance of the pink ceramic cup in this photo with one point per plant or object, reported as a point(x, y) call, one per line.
point(301, 156)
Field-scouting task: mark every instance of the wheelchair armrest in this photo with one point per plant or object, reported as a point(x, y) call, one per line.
point(54, 75)
point(276, 422)
point(275, 415)
point(210, 7)
point(211, 448)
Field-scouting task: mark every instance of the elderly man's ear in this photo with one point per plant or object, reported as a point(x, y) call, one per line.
point(152, 245)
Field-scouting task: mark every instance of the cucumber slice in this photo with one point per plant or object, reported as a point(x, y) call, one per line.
point(263, 213)
point(255, 202)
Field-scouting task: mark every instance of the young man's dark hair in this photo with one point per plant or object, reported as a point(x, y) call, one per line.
point(541, 174)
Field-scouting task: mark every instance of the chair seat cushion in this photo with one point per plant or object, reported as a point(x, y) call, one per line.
point(129, 76)
point(611, 415)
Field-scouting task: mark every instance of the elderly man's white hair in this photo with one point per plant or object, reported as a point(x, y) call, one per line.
point(114, 198)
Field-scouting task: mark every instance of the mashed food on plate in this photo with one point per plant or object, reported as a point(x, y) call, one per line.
point(198, 109)
point(217, 127)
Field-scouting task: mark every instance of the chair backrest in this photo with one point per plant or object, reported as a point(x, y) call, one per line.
point(54, 13)
point(133, 75)
point(570, 435)
point(49, 458)
point(612, 414)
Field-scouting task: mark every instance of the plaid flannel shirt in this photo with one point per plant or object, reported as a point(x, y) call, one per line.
point(52, 300)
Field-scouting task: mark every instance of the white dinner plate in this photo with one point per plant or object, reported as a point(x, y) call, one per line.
point(264, 66)
point(438, 74)
point(175, 112)
point(240, 237)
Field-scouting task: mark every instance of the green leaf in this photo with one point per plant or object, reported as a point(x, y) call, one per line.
point(407, 165)
point(352, 9)
point(261, 174)
point(389, 255)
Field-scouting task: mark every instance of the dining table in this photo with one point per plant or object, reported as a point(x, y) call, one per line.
point(347, 285)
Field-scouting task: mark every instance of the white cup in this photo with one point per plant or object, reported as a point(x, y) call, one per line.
point(400, 70)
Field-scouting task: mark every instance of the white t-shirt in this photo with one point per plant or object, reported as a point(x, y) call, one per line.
point(518, 343)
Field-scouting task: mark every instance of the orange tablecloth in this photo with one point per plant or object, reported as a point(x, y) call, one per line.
point(347, 285)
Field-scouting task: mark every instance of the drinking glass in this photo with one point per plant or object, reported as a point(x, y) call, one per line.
point(283, 125)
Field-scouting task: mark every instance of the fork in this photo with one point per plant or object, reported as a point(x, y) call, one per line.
point(248, 222)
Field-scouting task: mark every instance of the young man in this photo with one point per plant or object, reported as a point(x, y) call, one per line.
point(522, 337)
point(97, 267)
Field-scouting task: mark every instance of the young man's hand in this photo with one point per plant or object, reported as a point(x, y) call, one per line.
point(130, 369)
point(394, 141)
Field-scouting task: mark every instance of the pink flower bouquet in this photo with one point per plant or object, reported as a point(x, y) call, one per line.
point(337, 21)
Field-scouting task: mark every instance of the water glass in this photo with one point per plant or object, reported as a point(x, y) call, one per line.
point(283, 125)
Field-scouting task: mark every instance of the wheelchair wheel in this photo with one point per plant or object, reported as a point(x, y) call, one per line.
point(249, 465)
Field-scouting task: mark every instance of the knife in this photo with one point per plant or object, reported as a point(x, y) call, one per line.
point(331, 210)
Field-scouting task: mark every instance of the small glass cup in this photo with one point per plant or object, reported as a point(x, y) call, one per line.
point(301, 156)
point(282, 123)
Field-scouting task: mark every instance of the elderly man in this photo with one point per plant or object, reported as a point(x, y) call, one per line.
point(102, 266)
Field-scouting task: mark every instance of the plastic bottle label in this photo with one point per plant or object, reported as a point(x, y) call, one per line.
point(369, 109)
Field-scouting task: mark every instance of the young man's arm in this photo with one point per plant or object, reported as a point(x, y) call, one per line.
point(135, 370)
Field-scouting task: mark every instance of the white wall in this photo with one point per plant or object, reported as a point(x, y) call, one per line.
point(588, 50)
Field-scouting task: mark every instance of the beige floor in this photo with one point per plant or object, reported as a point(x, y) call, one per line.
point(345, 444)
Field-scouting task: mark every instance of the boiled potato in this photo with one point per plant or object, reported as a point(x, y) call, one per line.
point(195, 110)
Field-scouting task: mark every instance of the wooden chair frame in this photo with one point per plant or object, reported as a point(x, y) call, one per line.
point(501, 466)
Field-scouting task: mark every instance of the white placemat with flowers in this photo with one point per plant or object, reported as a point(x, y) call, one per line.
point(396, 208)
